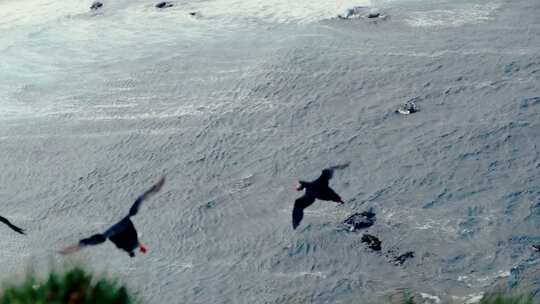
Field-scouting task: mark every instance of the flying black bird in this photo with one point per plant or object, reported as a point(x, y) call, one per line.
point(10, 225)
point(123, 233)
point(317, 189)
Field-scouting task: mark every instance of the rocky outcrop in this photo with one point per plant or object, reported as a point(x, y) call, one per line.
point(407, 108)
point(164, 4)
point(372, 241)
point(361, 12)
point(399, 260)
point(361, 220)
point(96, 5)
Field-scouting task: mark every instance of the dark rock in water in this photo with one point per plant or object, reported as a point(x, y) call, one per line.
point(351, 12)
point(374, 13)
point(407, 108)
point(164, 4)
point(360, 220)
point(196, 14)
point(210, 204)
point(404, 257)
point(528, 102)
point(96, 5)
point(372, 241)
point(361, 12)
point(369, 214)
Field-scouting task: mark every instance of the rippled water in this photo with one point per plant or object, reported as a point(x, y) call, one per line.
point(236, 105)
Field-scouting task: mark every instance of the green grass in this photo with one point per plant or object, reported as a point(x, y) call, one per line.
point(493, 299)
point(499, 299)
point(486, 300)
point(74, 286)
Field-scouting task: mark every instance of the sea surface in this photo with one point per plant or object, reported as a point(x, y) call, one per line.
point(237, 103)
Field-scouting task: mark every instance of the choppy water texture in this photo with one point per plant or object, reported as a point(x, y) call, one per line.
point(236, 105)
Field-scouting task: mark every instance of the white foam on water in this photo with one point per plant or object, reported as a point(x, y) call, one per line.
point(42, 39)
point(470, 299)
point(430, 297)
point(503, 274)
point(475, 298)
point(282, 11)
point(15, 13)
point(452, 17)
point(317, 274)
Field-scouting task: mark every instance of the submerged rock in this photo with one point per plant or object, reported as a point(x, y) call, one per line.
point(360, 220)
point(404, 257)
point(361, 12)
point(164, 4)
point(210, 204)
point(374, 13)
point(372, 241)
point(407, 108)
point(96, 5)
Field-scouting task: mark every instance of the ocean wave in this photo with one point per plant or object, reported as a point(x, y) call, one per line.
point(281, 11)
point(453, 17)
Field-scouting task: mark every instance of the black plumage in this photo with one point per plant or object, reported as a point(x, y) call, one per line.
point(123, 234)
point(10, 225)
point(317, 189)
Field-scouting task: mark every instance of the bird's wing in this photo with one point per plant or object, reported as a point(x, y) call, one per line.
point(340, 166)
point(327, 173)
point(95, 239)
point(99, 238)
point(333, 196)
point(298, 210)
point(155, 188)
point(10, 225)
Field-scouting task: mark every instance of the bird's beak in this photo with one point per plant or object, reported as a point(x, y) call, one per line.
point(142, 248)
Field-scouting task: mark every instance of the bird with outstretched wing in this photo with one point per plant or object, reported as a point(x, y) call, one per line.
point(10, 225)
point(317, 189)
point(123, 234)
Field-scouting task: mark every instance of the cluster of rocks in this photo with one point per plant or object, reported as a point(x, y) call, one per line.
point(399, 260)
point(161, 5)
point(361, 220)
point(407, 108)
point(164, 4)
point(96, 5)
point(372, 242)
point(362, 12)
point(364, 220)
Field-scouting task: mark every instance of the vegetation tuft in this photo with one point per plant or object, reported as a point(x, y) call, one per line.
point(499, 299)
point(74, 286)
